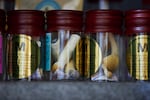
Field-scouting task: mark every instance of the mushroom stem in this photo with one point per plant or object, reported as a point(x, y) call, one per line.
point(107, 72)
point(113, 43)
point(66, 53)
point(70, 70)
point(111, 62)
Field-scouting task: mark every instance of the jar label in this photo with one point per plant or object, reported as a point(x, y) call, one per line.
point(1, 56)
point(48, 52)
point(88, 55)
point(138, 57)
point(23, 56)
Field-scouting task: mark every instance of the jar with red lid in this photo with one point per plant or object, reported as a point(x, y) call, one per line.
point(25, 34)
point(138, 42)
point(2, 30)
point(64, 28)
point(102, 45)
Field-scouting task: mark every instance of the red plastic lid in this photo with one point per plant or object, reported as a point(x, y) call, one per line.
point(139, 13)
point(104, 21)
point(29, 22)
point(2, 20)
point(64, 19)
point(137, 21)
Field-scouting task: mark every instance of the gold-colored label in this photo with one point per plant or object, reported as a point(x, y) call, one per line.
point(138, 57)
point(88, 56)
point(23, 56)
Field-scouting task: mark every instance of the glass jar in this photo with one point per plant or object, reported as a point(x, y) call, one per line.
point(64, 32)
point(101, 45)
point(138, 51)
point(2, 29)
point(24, 35)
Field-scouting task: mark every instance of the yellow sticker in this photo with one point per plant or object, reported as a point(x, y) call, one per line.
point(23, 56)
point(138, 55)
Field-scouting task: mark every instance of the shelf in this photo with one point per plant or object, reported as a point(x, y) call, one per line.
point(74, 90)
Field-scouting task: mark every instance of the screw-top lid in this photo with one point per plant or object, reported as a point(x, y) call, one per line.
point(65, 20)
point(2, 20)
point(29, 22)
point(137, 21)
point(103, 21)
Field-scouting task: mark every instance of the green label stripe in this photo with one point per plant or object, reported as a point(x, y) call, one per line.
point(92, 57)
point(35, 56)
point(133, 48)
point(15, 67)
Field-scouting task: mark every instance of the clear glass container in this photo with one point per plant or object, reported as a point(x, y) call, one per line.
point(103, 29)
point(24, 41)
point(138, 51)
point(64, 28)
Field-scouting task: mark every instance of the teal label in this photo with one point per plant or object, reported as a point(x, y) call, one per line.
point(48, 52)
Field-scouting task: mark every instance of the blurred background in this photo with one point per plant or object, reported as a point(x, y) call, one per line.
point(90, 4)
point(118, 4)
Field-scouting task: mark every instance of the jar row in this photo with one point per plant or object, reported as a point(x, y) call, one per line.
point(71, 45)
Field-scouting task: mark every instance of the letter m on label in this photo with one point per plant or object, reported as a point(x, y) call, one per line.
point(142, 47)
point(21, 46)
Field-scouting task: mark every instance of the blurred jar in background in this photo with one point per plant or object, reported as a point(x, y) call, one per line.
point(101, 44)
point(138, 42)
point(64, 28)
point(2, 54)
point(24, 40)
point(2, 4)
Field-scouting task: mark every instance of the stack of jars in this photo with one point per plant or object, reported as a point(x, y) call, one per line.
point(66, 45)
